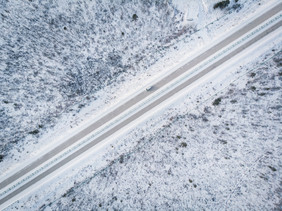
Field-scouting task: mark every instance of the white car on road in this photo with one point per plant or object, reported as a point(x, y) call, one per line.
point(149, 88)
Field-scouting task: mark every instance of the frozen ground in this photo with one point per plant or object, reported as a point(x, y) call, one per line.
point(217, 147)
point(63, 61)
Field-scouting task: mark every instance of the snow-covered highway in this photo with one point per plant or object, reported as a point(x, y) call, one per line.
point(145, 101)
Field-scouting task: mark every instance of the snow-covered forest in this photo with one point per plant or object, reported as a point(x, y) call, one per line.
point(62, 60)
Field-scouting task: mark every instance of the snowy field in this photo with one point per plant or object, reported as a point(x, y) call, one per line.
point(63, 62)
point(216, 146)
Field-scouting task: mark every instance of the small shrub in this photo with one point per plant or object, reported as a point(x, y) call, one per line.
point(253, 88)
point(42, 207)
point(179, 137)
point(233, 101)
point(34, 132)
point(205, 119)
point(263, 177)
point(183, 144)
point(221, 4)
point(253, 75)
point(222, 141)
point(5, 101)
point(134, 17)
point(216, 101)
point(81, 105)
point(207, 110)
point(73, 200)
point(121, 159)
point(1, 157)
point(278, 61)
point(272, 168)
point(169, 172)
point(236, 6)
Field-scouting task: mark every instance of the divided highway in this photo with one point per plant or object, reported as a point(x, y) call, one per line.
point(11, 195)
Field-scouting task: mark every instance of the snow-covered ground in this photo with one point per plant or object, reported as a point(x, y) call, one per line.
point(63, 62)
point(217, 145)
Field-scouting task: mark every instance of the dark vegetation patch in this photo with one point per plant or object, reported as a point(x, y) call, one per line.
point(183, 144)
point(134, 17)
point(253, 75)
point(222, 4)
point(272, 168)
point(1, 158)
point(217, 101)
point(236, 7)
point(233, 101)
point(261, 94)
point(253, 88)
point(34, 132)
point(222, 141)
point(278, 60)
point(121, 159)
point(42, 207)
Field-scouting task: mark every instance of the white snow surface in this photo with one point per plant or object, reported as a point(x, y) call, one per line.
point(215, 146)
point(190, 155)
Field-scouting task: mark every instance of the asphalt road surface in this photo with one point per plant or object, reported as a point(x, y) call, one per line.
point(137, 99)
